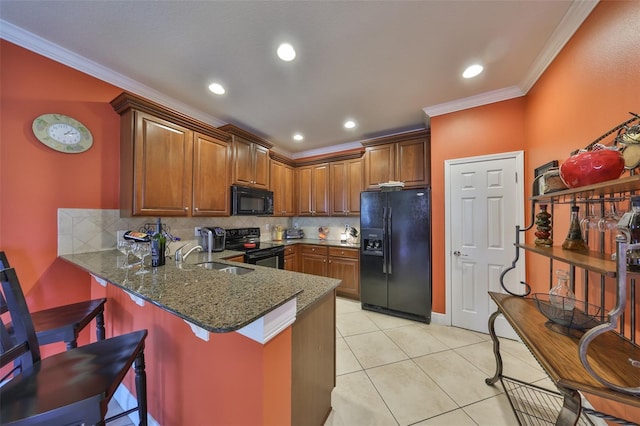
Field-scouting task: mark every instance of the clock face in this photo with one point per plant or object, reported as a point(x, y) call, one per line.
point(62, 133)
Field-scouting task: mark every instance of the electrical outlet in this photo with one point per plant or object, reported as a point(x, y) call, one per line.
point(197, 231)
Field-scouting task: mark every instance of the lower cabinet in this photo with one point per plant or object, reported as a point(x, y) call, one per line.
point(291, 258)
point(313, 259)
point(344, 264)
point(333, 262)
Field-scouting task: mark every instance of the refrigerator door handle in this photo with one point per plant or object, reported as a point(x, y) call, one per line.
point(389, 234)
point(384, 239)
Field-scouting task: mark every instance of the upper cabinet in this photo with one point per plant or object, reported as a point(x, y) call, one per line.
point(403, 157)
point(282, 185)
point(170, 164)
point(313, 190)
point(346, 185)
point(250, 158)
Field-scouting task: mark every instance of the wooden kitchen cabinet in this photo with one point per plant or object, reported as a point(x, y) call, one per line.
point(313, 259)
point(346, 184)
point(170, 164)
point(282, 185)
point(312, 184)
point(250, 158)
point(334, 262)
point(210, 176)
point(291, 258)
point(404, 157)
point(344, 264)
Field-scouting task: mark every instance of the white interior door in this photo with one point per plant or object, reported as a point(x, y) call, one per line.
point(484, 205)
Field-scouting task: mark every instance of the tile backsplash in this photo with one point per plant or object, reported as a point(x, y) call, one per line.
point(87, 230)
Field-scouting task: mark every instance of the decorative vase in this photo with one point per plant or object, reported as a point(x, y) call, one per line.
point(561, 295)
point(543, 227)
point(574, 240)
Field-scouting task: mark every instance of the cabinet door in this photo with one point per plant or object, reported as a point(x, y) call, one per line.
point(242, 161)
point(289, 193)
point(260, 167)
point(347, 270)
point(313, 264)
point(320, 189)
point(339, 179)
point(412, 160)
point(346, 185)
point(210, 177)
point(380, 163)
point(281, 178)
point(305, 203)
point(313, 260)
point(162, 167)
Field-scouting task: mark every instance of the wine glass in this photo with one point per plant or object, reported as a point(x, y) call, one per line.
point(589, 225)
point(609, 226)
point(125, 247)
point(141, 251)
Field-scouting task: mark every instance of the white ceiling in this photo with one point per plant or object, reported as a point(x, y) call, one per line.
point(386, 64)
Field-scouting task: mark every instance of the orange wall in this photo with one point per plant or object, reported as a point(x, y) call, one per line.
point(485, 130)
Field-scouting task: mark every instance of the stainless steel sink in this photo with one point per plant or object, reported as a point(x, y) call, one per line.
point(223, 267)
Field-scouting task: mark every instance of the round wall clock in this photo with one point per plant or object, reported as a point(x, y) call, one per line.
point(62, 133)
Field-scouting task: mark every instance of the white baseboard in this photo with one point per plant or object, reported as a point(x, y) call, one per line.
point(127, 401)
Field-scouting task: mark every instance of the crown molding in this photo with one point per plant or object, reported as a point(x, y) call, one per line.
point(474, 101)
point(571, 21)
point(41, 46)
point(328, 150)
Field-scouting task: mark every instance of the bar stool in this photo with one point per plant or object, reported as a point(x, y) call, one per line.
point(62, 323)
point(72, 387)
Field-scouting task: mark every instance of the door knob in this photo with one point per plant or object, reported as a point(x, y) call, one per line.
point(457, 253)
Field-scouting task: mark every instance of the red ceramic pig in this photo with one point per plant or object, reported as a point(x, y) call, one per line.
point(586, 168)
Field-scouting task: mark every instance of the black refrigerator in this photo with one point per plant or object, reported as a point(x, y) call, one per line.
point(395, 253)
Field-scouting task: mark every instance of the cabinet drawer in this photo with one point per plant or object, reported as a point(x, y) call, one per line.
point(290, 250)
point(312, 249)
point(344, 252)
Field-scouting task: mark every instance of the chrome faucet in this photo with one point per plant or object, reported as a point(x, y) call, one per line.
point(182, 257)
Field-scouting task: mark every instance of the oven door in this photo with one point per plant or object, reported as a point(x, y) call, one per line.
point(271, 257)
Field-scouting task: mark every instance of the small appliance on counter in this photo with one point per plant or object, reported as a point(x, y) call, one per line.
point(293, 234)
point(212, 239)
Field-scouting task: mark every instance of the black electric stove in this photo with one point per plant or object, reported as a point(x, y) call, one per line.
point(256, 252)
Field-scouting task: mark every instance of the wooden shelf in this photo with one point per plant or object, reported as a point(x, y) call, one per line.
point(594, 261)
point(558, 353)
point(628, 184)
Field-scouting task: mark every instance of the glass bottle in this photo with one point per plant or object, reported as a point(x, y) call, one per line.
point(574, 240)
point(158, 243)
point(543, 227)
point(633, 256)
point(561, 295)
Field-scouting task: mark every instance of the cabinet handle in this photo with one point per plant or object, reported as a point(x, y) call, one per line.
point(186, 209)
point(329, 261)
point(342, 252)
point(195, 209)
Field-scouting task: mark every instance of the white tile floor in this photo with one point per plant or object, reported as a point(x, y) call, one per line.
point(392, 371)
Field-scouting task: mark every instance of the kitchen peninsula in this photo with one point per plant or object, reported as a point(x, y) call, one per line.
point(225, 372)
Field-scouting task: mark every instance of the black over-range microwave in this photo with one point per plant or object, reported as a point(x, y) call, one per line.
point(247, 201)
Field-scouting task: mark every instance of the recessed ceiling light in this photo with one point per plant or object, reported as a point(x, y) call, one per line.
point(298, 137)
point(349, 124)
point(286, 52)
point(217, 88)
point(472, 71)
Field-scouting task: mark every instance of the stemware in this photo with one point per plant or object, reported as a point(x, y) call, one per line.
point(589, 225)
point(141, 251)
point(125, 247)
point(608, 225)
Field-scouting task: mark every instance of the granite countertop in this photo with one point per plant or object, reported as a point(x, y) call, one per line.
point(216, 301)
